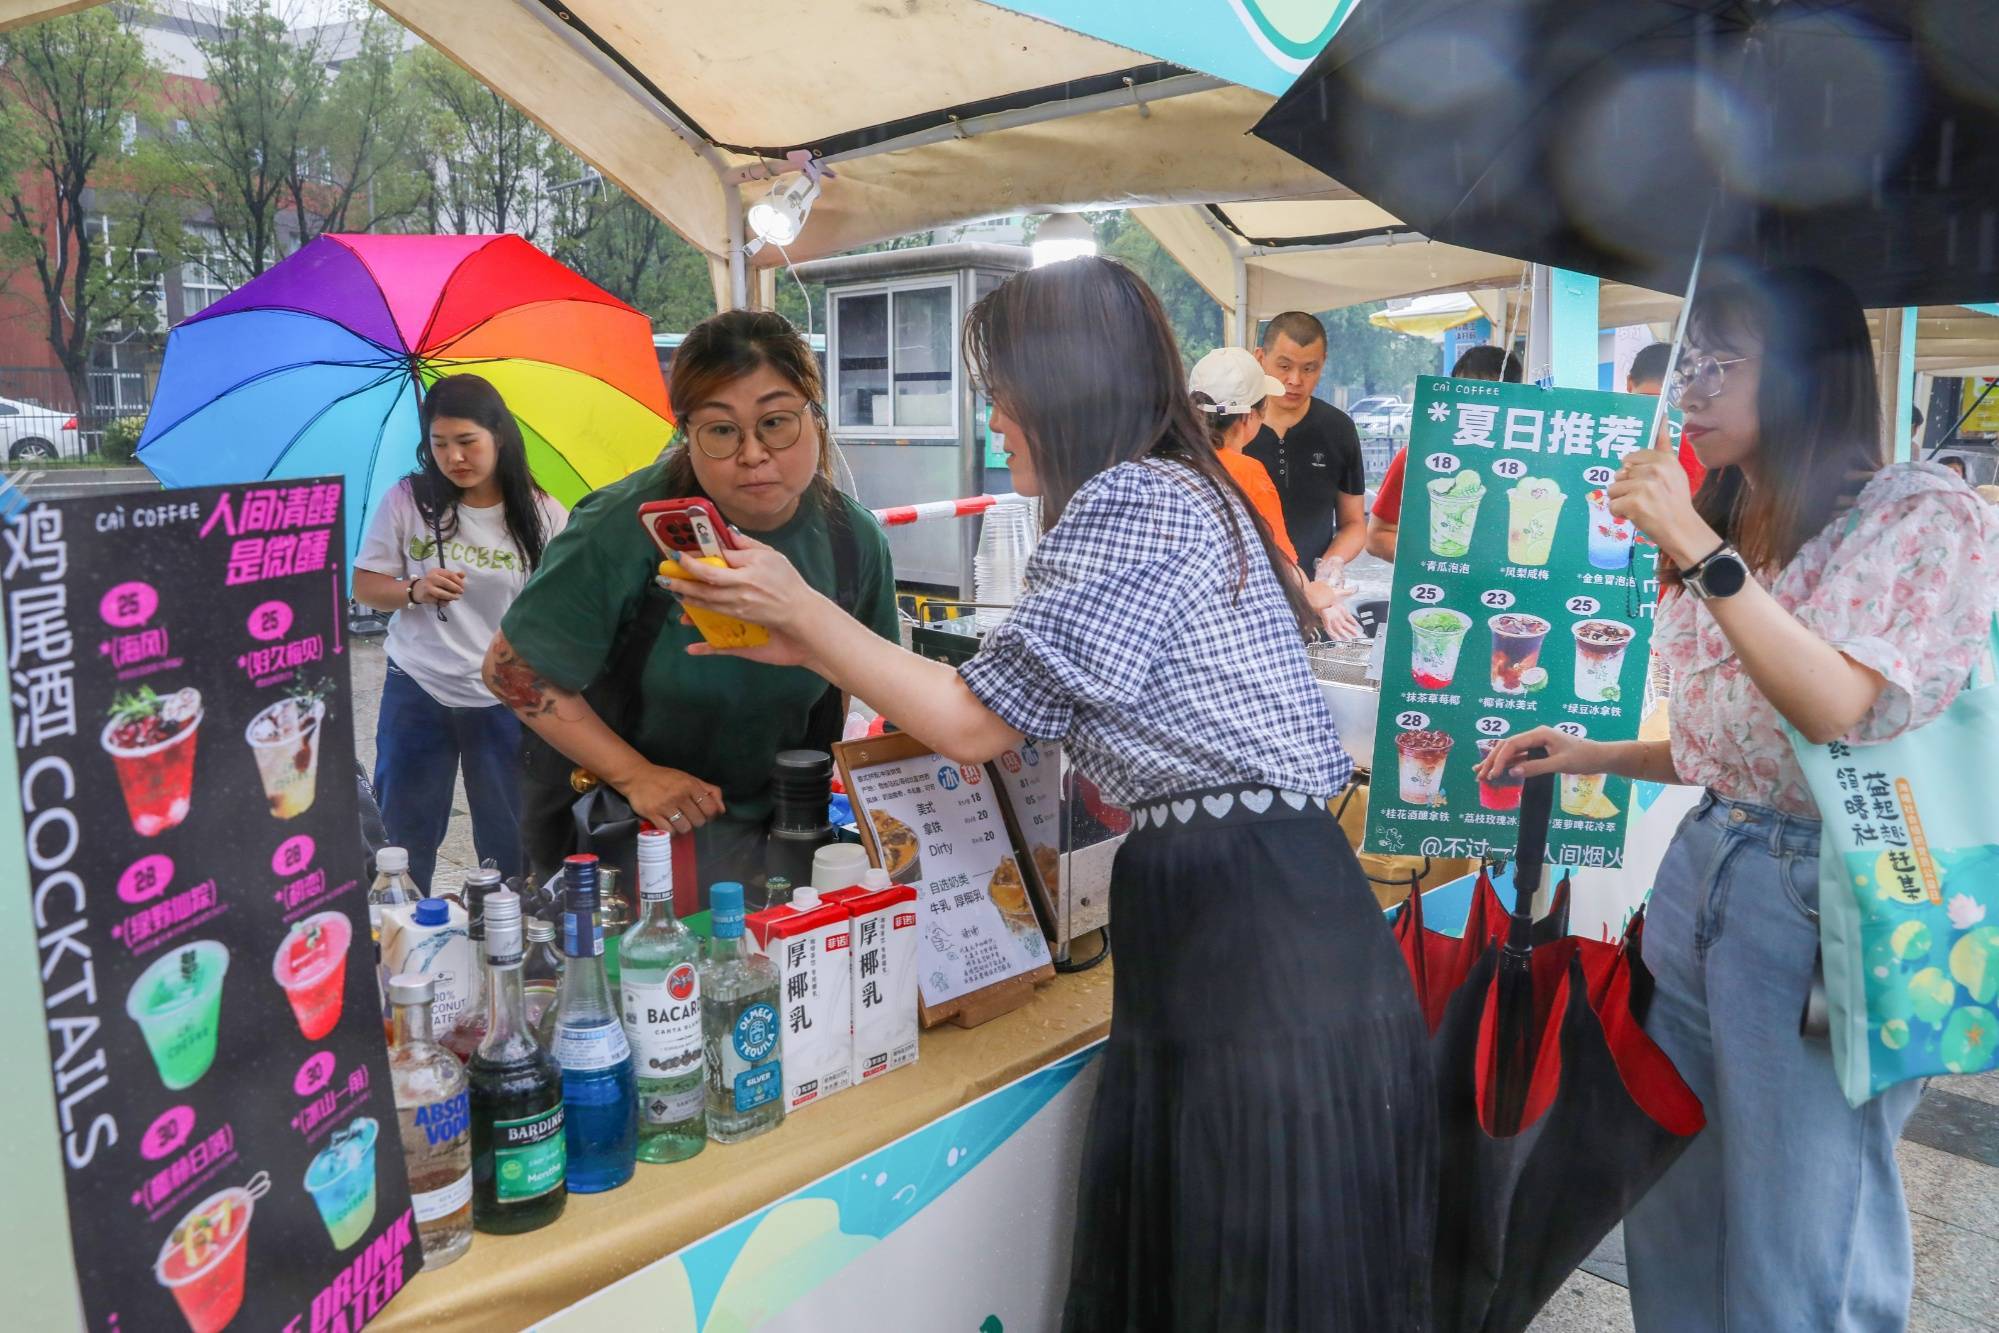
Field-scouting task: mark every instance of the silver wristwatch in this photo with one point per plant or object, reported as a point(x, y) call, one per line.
point(1723, 573)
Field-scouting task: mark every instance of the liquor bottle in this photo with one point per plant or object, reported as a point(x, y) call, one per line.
point(519, 1157)
point(393, 887)
point(614, 918)
point(739, 1027)
point(599, 1089)
point(434, 1108)
point(662, 990)
point(541, 978)
point(464, 1037)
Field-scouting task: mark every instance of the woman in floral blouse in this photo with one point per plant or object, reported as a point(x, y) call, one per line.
point(1805, 584)
point(1262, 1153)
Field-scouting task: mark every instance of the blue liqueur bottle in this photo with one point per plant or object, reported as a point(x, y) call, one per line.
point(599, 1089)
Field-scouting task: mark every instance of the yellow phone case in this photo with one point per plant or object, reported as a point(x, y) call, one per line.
point(718, 630)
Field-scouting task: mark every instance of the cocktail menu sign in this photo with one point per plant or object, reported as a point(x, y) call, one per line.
point(190, 848)
point(1520, 601)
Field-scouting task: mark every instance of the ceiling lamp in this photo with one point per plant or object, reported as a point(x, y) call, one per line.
point(1063, 236)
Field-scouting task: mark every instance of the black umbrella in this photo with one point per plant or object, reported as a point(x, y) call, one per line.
point(1857, 136)
point(1555, 1111)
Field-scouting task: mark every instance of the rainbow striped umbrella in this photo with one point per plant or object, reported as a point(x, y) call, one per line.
point(316, 368)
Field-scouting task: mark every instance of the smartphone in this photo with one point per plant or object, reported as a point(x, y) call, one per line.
point(691, 529)
point(686, 527)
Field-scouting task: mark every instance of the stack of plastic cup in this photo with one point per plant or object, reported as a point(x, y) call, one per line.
point(1008, 536)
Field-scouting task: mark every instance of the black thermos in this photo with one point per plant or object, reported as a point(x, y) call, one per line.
point(801, 784)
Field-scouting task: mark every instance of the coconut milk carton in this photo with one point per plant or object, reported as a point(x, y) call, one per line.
point(429, 937)
point(884, 965)
point(811, 942)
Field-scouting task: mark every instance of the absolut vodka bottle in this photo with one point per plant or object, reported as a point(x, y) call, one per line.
point(434, 1110)
point(599, 1090)
point(662, 1010)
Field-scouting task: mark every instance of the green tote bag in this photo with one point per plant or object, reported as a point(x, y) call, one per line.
point(1909, 895)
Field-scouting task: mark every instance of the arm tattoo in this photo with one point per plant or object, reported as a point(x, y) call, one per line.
point(516, 683)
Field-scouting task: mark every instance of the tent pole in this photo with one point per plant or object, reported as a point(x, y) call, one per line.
point(1238, 329)
point(1244, 332)
point(739, 277)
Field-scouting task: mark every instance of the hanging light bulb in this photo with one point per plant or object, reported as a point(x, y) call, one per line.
point(1063, 236)
point(779, 216)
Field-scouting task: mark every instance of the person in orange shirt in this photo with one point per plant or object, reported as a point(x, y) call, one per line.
point(1229, 387)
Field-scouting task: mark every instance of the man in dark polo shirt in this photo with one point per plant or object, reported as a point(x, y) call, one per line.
point(1310, 448)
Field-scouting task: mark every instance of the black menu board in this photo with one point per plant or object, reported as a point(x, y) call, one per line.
point(189, 841)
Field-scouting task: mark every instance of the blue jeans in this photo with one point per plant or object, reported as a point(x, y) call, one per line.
point(419, 746)
point(1786, 1212)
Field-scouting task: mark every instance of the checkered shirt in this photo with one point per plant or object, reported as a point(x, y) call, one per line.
point(1132, 644)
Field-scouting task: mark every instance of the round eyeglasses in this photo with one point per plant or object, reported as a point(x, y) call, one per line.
point(775, 431)
point(1704, 375)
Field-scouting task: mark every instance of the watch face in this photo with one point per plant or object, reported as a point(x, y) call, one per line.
point(1724, 577)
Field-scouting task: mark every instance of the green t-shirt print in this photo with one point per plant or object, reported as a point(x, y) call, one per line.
point(719, 718)
point(459, 554)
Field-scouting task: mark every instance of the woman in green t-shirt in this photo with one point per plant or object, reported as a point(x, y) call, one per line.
point(747, 394)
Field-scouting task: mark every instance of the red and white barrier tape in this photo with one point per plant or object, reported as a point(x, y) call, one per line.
point(965, 508)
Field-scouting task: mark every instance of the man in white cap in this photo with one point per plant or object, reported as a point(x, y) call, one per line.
point(1231, 389)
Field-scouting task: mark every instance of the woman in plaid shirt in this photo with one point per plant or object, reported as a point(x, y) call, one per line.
point(1262, 1153)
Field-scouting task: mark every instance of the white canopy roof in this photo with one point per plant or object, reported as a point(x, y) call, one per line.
point(928, 113)
point(1335, 250)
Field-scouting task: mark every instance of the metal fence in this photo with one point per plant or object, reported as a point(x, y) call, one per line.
point(38, 406)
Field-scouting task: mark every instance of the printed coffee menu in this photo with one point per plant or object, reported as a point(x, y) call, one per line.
point(184, 739)
point(938, 827)
point(1520, 601)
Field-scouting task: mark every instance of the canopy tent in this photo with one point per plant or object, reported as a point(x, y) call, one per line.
point(1333, 250)
point(927, 114)
point(1428, 316)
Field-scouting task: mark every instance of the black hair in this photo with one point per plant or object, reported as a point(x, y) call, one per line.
point(1486, 362)
point(1296, 325)
point(1649, 366)
point(1818, 410)
point(1219, 424)
point(1082, 355)
point(471, 398)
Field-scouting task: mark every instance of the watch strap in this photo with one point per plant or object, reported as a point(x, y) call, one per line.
point(1695, 569)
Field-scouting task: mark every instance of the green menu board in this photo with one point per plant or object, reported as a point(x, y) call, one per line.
point(1520, 601)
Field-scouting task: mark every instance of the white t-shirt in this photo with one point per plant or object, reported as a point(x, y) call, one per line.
point(444, 656)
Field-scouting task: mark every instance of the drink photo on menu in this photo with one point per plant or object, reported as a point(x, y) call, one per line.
point(1534, 611)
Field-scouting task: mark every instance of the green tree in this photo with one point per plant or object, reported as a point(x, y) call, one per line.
point(622, 246)
point(82, 196)
point(1196, 319)
point(1372, 359)
point(247, 154)
point(360, 172)
point(491, 167)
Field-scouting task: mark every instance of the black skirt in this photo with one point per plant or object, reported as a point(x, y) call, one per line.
point(1263, 1149)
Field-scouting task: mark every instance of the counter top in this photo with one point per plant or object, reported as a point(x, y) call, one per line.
point(508, 1282)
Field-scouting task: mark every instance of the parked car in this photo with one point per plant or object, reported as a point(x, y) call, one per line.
point(31, 432)
point(1389, 417)
point(1375, 403)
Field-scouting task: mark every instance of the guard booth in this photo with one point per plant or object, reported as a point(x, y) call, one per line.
point(909, 425)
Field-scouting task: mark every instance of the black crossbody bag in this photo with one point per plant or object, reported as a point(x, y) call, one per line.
point(565, 810)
